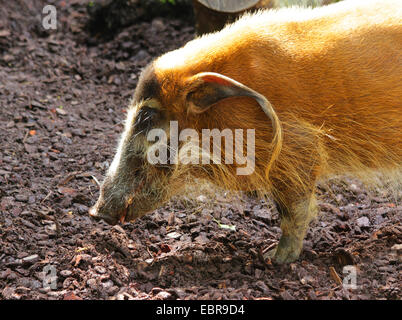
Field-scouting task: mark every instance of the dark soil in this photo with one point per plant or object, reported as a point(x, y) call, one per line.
point(63, 96)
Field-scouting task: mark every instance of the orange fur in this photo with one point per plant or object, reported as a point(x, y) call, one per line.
point(333, 75)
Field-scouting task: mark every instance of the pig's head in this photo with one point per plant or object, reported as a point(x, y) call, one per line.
point(134, 185)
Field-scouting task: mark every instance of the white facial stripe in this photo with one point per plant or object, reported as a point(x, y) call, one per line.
point(128, 127)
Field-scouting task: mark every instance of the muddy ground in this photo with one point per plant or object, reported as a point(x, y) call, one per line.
point(63, 95)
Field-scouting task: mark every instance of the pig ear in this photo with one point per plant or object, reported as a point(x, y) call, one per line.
point(208, 88)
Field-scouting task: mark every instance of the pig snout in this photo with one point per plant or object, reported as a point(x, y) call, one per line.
point(108, 208)
point(95, 214)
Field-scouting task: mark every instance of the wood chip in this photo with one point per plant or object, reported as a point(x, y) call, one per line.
point(334, 275)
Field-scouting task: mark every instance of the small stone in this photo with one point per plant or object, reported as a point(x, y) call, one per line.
point(173, 235)
point(92, 283)
point(61, 111)
point(66, 273)
point(21, 197)
point(100, 269)
point(163, 295)
point(363, 222)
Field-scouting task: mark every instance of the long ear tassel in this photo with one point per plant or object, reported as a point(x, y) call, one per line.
point(277, 138)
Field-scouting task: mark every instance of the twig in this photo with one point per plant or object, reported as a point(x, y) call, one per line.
point(68, 178)
point(47, 196)
point(25, 137)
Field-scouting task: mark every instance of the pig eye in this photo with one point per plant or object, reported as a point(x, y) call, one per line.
point(146, 118)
